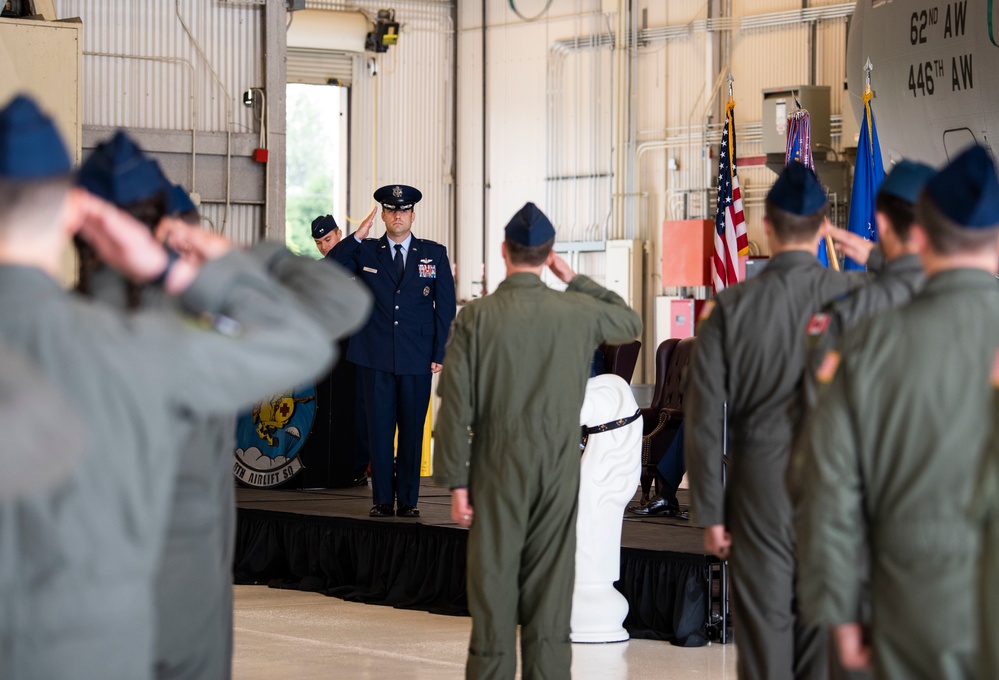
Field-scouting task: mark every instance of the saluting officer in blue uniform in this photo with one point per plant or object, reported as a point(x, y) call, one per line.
point(326, 233)
point(402, 344)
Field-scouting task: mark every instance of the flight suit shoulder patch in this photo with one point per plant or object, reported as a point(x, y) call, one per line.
point(818, 324)
point(827, 369)
point(995, 370)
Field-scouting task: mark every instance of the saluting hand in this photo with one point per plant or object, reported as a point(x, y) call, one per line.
point(193, 243)
point(365, 228)
point(853, 246)
point(561, 269)
point(119, 240)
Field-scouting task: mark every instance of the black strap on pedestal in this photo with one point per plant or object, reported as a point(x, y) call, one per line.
point(607, 427)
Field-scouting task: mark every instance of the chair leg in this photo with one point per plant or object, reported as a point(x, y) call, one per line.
point(646, 480)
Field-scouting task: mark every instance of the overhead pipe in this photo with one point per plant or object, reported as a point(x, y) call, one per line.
point(485, 150)
point(453, 155)
point(228, 115)
point(711, 25)
point(620, 71)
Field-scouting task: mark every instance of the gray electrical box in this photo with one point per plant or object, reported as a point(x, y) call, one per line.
point(778, 103)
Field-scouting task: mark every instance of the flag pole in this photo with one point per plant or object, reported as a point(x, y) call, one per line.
point(730, 238)
point(868, 96)
point(742, 239)
point(831, 253)
point(799, 147)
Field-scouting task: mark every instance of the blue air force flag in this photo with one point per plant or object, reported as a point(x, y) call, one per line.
point(868, 175)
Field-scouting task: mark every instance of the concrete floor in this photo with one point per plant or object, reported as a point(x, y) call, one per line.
point(291, 634)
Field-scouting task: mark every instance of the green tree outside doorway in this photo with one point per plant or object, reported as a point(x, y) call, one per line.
point(314, 134)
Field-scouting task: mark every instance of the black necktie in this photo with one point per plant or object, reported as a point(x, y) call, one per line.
point(400, 266)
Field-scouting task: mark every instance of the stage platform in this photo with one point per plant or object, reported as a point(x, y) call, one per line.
point(324, 541)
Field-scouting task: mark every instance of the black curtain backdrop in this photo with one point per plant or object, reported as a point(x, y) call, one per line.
point(417, 566)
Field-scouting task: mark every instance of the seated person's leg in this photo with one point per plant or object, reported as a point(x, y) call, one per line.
point(669, 474)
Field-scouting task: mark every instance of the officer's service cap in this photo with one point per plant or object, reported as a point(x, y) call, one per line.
point(323, 225)
point(906, 180)
point(30, 145)
point(967, 190)
point(120, 173)
point(797, 190)
point(529, 227)
point(178, 201)
point(398, 196)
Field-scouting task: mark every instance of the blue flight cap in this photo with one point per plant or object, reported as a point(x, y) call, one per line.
point(30, 145)
point(529, 227)
point(906, 180)
point(178, 201)
point(967, 190)
point(398, 196)
point(797, 190)
point(323, 225)
point(120, 173)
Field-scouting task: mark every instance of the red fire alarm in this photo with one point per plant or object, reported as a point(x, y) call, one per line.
point(260, 155)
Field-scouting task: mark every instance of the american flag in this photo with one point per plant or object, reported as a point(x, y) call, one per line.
point(731, 240)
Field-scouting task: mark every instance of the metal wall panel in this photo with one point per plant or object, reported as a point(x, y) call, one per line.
point(676, 96)
point(548, 124)
point(245, 225)
point(746, 7)
point(673, 75)
point(549, 115)
point(831, 54)
point(141, 69)
point(178, 65)
point(672, 12)
point(320, 67)
point(772, 48)
point(579, 166)
point(402, 121)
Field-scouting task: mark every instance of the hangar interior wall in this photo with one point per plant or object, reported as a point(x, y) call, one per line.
point(607, 113)
point(172, 72)
point(604, 112)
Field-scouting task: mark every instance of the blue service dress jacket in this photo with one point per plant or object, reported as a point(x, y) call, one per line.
point(409, 325)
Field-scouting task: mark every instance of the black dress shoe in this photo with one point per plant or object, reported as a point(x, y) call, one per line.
point(657, 507)
point(381, 511)
point(408, 511)
point(361, 480)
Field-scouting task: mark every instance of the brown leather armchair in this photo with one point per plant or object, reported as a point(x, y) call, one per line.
point(661, 420)
point(621, 359)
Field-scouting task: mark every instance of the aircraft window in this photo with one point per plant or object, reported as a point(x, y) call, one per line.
point(957, 140)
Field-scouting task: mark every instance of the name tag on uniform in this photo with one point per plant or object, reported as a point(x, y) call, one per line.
point(428, 271)
point(369, 269)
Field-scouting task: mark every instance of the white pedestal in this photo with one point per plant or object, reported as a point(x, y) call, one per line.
point(609, 473)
